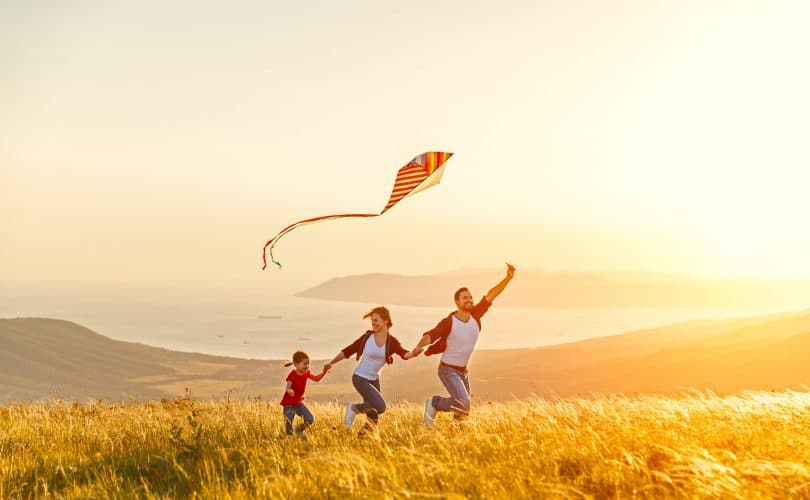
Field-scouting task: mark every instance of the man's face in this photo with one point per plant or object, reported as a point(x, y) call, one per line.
point(465, 301)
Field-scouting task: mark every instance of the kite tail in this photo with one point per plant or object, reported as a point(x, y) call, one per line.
point(265, 251)
point(268, 247)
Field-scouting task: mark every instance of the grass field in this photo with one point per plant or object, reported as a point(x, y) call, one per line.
point(748, 445)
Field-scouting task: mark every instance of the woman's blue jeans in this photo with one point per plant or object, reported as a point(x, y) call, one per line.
point(373, 404)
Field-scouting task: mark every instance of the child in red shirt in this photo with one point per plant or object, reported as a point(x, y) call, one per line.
point(294, 394)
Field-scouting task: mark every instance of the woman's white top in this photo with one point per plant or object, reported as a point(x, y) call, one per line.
point(371, 361)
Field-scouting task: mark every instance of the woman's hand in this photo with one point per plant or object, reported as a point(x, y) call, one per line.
point(413, 354)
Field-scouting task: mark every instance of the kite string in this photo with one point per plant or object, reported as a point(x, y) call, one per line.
point(272, 242)
point(409, 179)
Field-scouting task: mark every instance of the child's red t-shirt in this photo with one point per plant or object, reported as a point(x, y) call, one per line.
point(299, 385)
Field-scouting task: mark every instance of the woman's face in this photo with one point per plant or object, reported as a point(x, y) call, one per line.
point(377, 323)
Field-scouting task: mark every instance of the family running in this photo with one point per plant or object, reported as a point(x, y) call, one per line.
point(454, 337)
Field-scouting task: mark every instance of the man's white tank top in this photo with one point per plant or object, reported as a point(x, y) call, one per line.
point(461, 342)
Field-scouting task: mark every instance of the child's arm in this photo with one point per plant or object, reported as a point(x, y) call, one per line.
point(318, 377)
point(290, 391)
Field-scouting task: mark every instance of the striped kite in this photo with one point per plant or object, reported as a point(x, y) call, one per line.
point(419, 174)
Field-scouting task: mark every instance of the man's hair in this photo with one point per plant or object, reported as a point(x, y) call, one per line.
point(459, 292)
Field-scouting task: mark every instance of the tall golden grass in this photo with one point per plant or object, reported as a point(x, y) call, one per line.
point(754, 444)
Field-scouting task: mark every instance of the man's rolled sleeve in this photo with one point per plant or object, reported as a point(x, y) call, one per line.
point(481, 307)
point(441, 330)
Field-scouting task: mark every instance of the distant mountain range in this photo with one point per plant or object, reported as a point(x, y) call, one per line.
point(570, 290)
point(41, 358)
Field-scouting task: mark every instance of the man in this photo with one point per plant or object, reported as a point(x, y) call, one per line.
point(455, 337)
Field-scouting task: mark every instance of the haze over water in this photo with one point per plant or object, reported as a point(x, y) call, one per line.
point(213, 321)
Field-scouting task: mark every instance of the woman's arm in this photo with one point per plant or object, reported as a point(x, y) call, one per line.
point(340, 357)
point(349, 350)
point(401, 351)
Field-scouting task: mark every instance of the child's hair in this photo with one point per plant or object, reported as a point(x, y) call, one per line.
point(382, 312)
point(298, 356)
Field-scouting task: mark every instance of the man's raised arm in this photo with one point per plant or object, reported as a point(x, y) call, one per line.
point(497, 289)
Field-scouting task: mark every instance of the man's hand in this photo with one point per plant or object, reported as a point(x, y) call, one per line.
point(416, 352)
point(412, 354)
point(326, 367)
point(420, 346)
point(497, 289)
point(291, 392)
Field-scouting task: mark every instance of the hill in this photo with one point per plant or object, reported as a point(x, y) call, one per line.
point(43, 357)
point(570, 290)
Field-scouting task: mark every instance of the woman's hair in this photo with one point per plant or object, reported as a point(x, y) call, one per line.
point(383, 313)
point(298, 356)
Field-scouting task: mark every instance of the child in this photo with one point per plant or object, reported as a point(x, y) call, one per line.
point(294, 394)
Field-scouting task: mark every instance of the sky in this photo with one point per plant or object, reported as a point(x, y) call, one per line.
point(166, 142)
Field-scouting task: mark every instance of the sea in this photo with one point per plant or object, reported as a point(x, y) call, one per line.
point(273, 325)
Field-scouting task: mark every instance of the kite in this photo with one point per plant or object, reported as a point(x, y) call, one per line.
point(422, 172)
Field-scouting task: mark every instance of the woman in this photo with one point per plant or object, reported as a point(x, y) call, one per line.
point(374, 349)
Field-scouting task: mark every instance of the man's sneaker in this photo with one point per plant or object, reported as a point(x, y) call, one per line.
point(348, 417)
point(430, 413)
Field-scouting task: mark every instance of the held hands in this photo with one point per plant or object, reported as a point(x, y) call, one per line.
point(413, 354)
